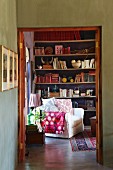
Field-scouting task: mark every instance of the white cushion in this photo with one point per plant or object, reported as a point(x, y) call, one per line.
point(50, 101)
point(49, 106)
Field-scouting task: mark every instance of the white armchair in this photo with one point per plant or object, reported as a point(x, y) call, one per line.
point(75, 122)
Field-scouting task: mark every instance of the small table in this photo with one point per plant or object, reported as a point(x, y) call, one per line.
point(33, 136)
point(93, 125)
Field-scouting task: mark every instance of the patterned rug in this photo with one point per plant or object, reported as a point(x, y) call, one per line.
point(83, 142)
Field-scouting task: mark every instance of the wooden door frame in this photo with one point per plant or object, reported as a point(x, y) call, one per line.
point(21, 141)
point(21, 97)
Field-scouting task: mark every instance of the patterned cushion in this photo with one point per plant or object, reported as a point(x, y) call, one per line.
point(54, 122)
point(64, 105)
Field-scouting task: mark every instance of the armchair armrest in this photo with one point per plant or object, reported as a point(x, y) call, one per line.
point(79, 112)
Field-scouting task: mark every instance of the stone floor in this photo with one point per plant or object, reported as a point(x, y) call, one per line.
point(56, 154)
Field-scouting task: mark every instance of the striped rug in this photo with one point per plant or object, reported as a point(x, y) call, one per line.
point(83, 142)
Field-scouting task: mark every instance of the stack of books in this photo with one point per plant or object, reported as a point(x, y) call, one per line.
point(55, 78)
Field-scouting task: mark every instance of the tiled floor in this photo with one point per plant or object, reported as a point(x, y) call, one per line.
point(56, 154)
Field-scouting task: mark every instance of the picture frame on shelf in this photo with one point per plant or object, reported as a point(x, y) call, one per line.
point(4, 63)
point(90, 105)
point(11, 69)
point(15, 70)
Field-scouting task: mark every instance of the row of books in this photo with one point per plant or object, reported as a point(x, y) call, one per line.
point(47, 78)
point(85, 77)
point(55, 78)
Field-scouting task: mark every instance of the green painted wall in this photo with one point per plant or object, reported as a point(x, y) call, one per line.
point(73, 13)
point(8, 99)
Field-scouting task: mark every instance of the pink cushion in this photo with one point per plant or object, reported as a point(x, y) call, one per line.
point(64, 105)
point(54, 122)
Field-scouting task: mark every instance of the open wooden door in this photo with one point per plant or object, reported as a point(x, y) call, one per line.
point(21, 98)
point(99, 147)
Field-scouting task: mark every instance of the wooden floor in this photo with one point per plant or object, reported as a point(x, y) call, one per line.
point(56, 154)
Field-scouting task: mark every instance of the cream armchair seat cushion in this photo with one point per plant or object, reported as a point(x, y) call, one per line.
point(75, 122)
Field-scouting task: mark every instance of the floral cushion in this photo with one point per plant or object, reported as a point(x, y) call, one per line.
point(64, 105)
point(54, 122)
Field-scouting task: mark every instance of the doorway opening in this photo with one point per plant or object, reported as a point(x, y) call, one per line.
point(53, 35)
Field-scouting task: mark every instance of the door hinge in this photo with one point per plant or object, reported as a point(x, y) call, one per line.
point(21, 45)
point(21, 145)
point(97, 44)
point(97, 146)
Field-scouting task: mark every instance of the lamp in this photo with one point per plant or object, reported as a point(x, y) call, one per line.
point(34, 100)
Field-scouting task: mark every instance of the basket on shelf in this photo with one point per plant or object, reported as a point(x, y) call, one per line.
point(54, 94)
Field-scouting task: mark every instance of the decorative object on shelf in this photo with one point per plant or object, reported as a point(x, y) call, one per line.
point(76, 64)
point(54, 94)
point(90, 105)
point(82, 92)
point(70, 79)
point(70, 93)
point(48, 50)
point(39, 51)
point(88, 63)
point(64, 79)
point(58, 49)
point(63, 64)
point(78, 78)
point(47, 63)
point(89, 92)
point(56, 63)
point(55, 88)
point(66, 50)
point(76, 92)
point(65, 92)
point(91, 76)
point(39, 67)
point(85, 77)
point(84, 51)
point(92, 63)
